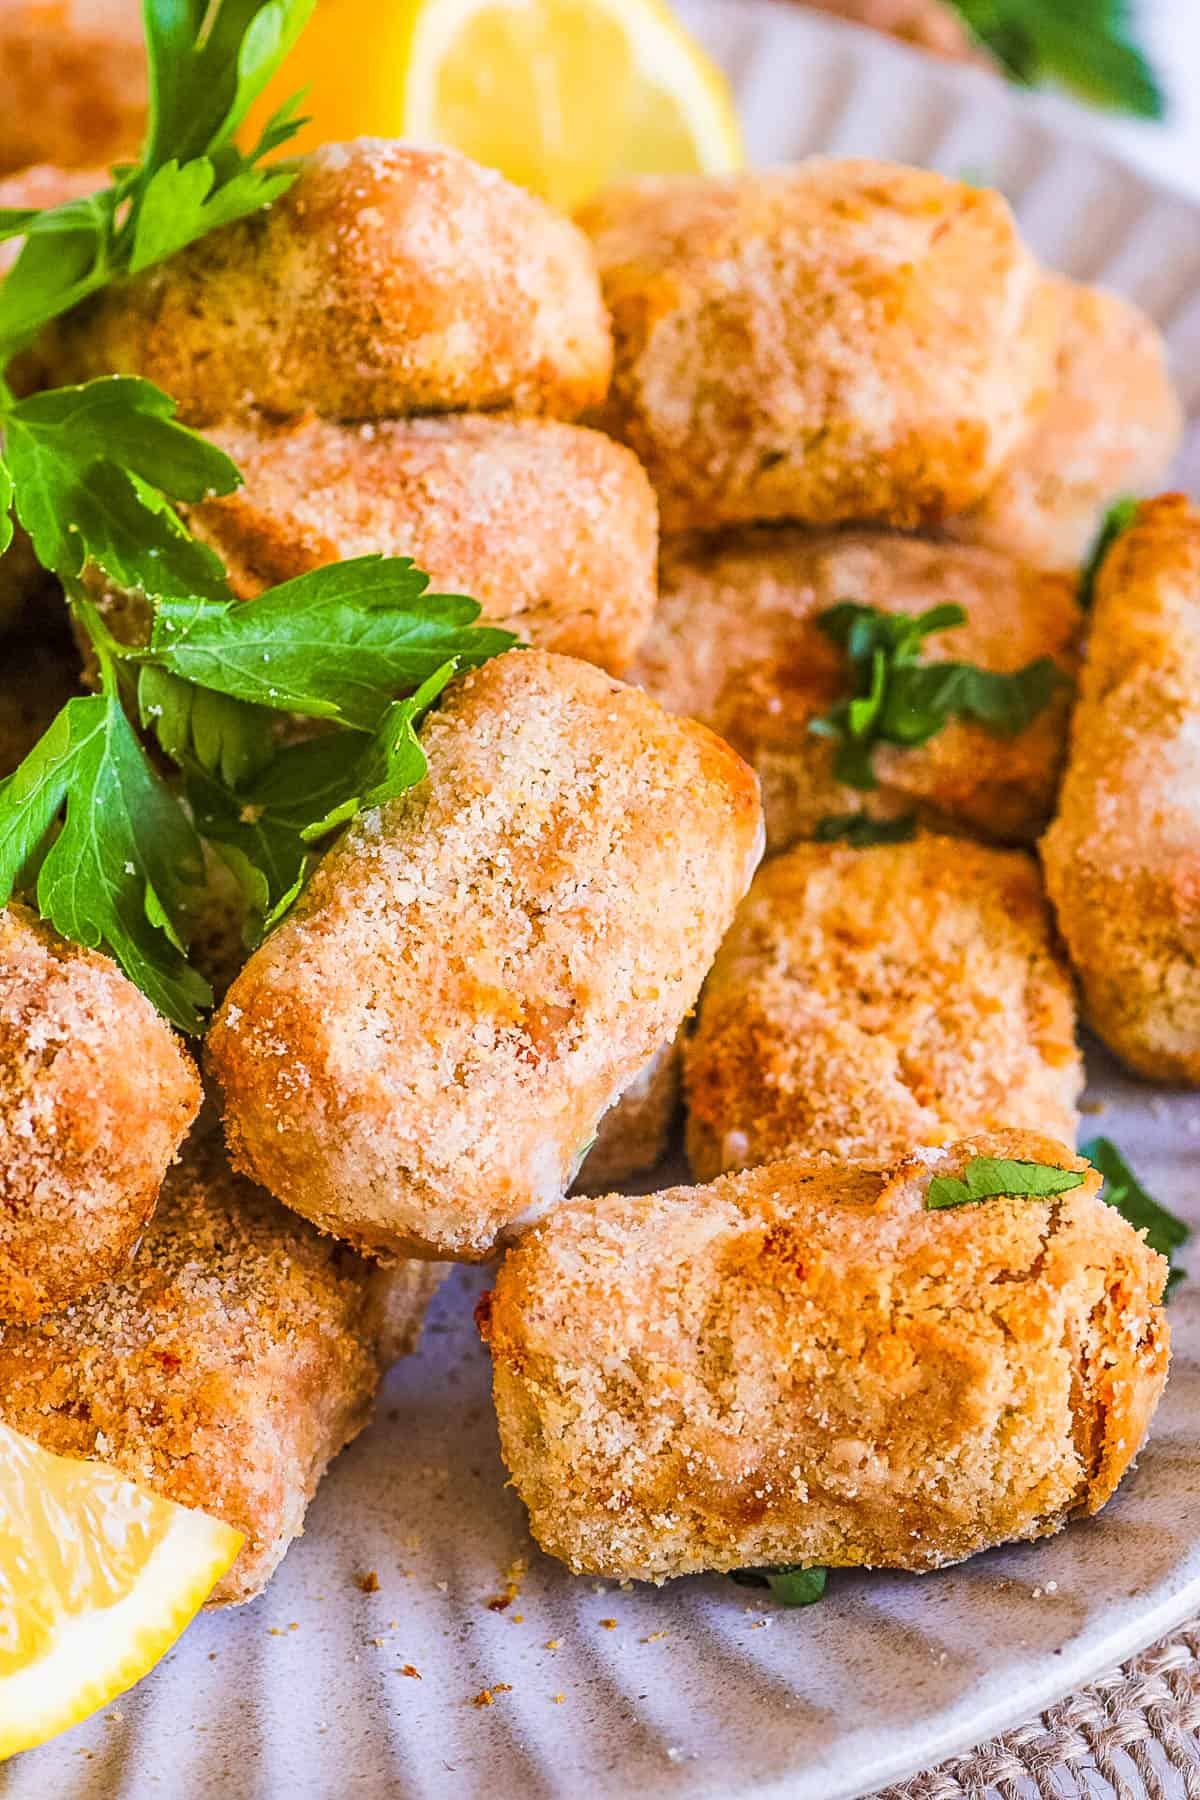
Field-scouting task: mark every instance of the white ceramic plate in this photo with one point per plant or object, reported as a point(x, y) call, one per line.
point(699, 1689)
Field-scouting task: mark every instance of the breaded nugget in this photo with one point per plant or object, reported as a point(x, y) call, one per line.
point(868, 1000)
point(388, 280)
point(800, 1364)
point(96, 1094)
point(36, 681)
point(553, 529)
point(418, 1056)
point(226, 1367)
point(1122, 858)
point(832, 341)
point(1111, 428)
point(72, 81)
point(632, 1136)
point(735, 643)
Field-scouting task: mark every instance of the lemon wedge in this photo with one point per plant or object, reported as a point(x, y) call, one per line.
point(98, 1577)
point(561, 96)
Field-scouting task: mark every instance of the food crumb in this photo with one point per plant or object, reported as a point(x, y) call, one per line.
point(558, 1699)
point(609, 1624)
point(368, 1583)
point(487, 1696)
point(553, 1643)
point(413, 1673)
point(654, 1637)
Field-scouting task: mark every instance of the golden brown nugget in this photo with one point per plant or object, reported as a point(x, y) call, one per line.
point(800, 1364)
point(826, 342)
point(632, 1136)
point(227, 1367)
point(1122, 858)
point(735, 643)
point(1111, 428)
point(72, 81)
point(418, 1056)
point(552, 528)
point(868, 1000)
point(96, 1095)
point(387, 280)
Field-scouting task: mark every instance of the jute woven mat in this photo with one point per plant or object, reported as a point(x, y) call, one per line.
point(1133, 1735)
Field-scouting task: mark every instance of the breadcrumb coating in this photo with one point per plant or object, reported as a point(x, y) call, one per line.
point(799, 1364)
point(72, 82)
point(226, 1367)
point(1122, 858)
point(418, 1056)
point(387, 280)
point(553, 529)
point(632, 1136)
point(96, 1096)
point(868, 1000)
point(735, 643)
point(1112, 426)
point(837, 340)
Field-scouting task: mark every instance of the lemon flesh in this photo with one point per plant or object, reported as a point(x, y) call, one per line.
point(98, 1577)
point(562, 96)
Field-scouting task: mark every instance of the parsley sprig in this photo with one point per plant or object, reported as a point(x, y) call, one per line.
point(1164, 1231)
point(897, 698)
point(995, 1177)
point(107, 846)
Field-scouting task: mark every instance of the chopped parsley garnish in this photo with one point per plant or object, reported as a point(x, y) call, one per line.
point(1117, 519)
point(1122, 1189)
point(1087, 46)
point(790, 1584)
point(897, 698)
point(991, 1177)
point(91, 833)
point(863, 833)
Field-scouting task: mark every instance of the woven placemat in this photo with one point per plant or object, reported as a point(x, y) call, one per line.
point(1132, 1735)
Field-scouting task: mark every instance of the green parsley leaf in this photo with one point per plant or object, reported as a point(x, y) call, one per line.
point(208, 65)
point(91, 467)
point(118, 870)
point(1122, 1189)
point(338, 643)
point(392, 760)
point(1087, 45)
point(991, 1177)
point(863, 833)
point(229, 740)
point(789, 1583)
point(896, 698)
point(1117, 519)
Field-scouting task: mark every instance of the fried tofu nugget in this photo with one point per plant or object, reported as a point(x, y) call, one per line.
point(387, 280)
point(1111, 428)
point(632, 1136)
point(868, 1000)
point(1122, 858)
point(833, 341)
point(227, 1367)
point(72, 81)
point(96, 1095)
point(735, 643)
point(801, 1364)
point(418, 1056)
point(552, 528)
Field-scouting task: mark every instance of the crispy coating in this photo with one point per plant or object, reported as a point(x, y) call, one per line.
point(832, 341)
point(735, 643)
point(1111, 428)
point(96, 1095)
point(868, 1000)
point(799, 1364)
point(632, 1136)
point(417, 1057)
point(226, 1367)
point(72, 81)
point(36, 681)
point(1122, 858)
point(387, 280)
point(553, 529)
